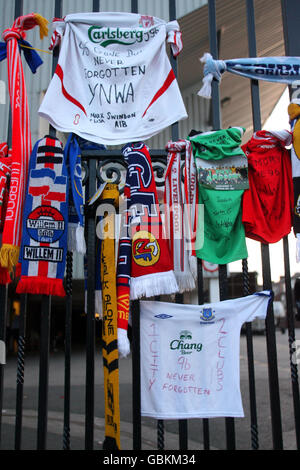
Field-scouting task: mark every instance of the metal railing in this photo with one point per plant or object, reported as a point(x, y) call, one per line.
point(95, 162)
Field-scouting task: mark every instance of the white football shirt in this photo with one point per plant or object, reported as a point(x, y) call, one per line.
point(190, 357)
point(114, 82)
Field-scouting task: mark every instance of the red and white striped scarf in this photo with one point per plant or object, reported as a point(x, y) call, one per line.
point(21, 137)
point(5, 169)
point(180, 201)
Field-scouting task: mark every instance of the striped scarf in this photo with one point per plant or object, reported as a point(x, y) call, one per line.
point(5, 169)
point(44, 239)
point(180, 203)
point(144, 262)
point(109, 325)
point(21, 138)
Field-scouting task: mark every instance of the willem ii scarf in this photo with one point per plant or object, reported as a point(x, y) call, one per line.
point(45, 220)
point(21, 138)
point(144, 267)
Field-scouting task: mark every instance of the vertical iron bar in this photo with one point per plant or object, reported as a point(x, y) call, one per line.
point(205, 421)
point(45, 319)
point(20, 371)
point(291, 339)
point(266, 270)
point(3, 315)
point(291, 16)
point(250, 356)
point(136, 351)
point(216, 123)
point(43, 373)
point(136, 376)
point(183, 424)
point(68, 342)
point(90, 325)
point(3, 288)
point(213, 46)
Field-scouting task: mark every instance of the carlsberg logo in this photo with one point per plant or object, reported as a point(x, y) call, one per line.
point(107, 36)
point(184, 345)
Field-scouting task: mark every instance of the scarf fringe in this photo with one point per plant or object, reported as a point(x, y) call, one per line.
point(123, 343)
point(39, 285)
point(185, 282)
point(80, 240)
point(4, 276)
point(153, 284)
point(76, 240)
point(9, 256)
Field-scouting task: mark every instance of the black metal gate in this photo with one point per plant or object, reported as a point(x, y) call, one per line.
point(91, 162)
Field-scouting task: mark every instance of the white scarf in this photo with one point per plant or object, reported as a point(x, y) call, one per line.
point(180, 201)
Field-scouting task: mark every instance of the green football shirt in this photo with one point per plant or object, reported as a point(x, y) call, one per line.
point(222, 178)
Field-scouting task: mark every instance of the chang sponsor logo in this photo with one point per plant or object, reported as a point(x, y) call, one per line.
point(184, 344)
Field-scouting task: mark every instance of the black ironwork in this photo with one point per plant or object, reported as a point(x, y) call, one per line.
point(98, 167)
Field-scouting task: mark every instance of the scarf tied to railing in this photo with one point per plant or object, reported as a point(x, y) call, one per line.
point(21, 137)
point(271, 69)
point(144, 262)
point(180, 204)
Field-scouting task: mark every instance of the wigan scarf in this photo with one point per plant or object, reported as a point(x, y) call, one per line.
point(268, 203)
point(271, 69)
point(44, 240)
point(144, 262)
point(21, 138)
point(294, 114)
point(5, 169)
point(180, 204)
point(114, 82)
point(109, 324)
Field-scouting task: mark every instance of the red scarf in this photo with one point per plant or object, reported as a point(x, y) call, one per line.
point(21, 137)
point(5, 168)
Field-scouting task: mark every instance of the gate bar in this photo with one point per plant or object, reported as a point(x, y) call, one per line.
point(250, 357)
point(291, 17)
point(90, 321)
point(20, 371)
point(216, 123)
point(291, 339)
point(67, 349)
point(266, 269)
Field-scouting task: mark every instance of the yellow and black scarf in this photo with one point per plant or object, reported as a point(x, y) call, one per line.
point(109, 323)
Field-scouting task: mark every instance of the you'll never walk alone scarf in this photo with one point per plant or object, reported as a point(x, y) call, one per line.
point(109, 322)
point(21, 137)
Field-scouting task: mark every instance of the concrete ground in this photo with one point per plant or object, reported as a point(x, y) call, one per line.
point(149, 434)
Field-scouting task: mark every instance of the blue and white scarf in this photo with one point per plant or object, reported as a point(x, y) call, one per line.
point(271, 69)
point(45, 221)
